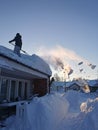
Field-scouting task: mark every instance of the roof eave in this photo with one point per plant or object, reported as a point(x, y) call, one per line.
point(23, 64)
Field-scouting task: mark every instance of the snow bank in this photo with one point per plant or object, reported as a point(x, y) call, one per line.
point(75, 99)
point(90, 120)
point(48, 112)
point(86, 119)
point(44, 113)
point(58, 111)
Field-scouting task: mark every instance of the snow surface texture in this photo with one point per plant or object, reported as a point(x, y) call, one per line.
point(58, 111)
point(32, 61)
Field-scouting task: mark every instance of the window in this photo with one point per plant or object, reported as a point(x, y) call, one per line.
point(20, 90)
point(3, 91)
point(12, 90)
point(26, 91)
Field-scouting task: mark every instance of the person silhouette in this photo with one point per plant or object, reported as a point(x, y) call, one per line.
point(18, 43)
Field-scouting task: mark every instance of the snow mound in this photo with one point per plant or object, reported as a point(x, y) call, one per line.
point(50, 111)
point(90, 112)
point(58, 111)
point(75, 99)
point(44, 113)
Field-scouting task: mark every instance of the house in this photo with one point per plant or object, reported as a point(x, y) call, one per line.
point(22, 77)
point(74, 86)
point(78, 85)
point(93, 85)
point(57, 86)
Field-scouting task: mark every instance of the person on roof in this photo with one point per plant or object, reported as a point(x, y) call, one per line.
point(18, 43)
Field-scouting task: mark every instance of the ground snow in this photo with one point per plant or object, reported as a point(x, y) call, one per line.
point(68, 111)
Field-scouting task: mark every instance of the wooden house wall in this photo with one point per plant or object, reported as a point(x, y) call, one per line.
point(93, 88)
point(17, 74)
point(40, 87)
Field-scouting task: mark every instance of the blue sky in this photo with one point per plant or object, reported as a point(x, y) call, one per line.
point(72, 24)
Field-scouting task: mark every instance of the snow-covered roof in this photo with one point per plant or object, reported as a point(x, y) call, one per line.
point(32, 61)
point(92, 82)
point(59, 83)
point(69, 83)
point(79, 82)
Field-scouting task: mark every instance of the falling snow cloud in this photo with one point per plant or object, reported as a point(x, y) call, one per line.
point(61, 52)
point(59, 59)
point(60, 55)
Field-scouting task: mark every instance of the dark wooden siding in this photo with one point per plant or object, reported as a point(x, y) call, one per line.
point(40, 87)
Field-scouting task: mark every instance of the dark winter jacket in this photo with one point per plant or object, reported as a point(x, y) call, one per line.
point(18, 40)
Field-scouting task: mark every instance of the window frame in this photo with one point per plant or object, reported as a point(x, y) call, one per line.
point(8, 93)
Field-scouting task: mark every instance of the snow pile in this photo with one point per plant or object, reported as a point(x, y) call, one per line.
point(48, 112)
point(86, 117)
point(44, 113)
point(90, 108)
point(33, 61)
point(75, 99)
point(70, 111)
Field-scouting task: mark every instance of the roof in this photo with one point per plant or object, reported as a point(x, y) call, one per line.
point(59, 83)
point(76, 84)
point(32, 61)
point(92, 82)
point(79, 83)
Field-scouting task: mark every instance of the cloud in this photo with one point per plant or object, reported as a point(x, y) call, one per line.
point(61, 53)
point(59, 59)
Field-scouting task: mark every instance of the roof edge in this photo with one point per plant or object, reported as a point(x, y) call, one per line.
point(24, 64)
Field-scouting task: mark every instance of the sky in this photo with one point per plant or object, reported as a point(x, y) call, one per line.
point(70, 24)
